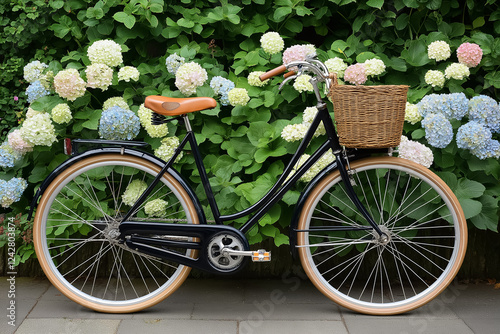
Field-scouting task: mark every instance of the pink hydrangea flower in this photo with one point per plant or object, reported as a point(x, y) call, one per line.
point(294, 53)
point(69, 85)
point(356, 74)
point(469, 54)
point(17, 143)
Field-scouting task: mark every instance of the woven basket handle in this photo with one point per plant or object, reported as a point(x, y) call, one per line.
point(333, 77)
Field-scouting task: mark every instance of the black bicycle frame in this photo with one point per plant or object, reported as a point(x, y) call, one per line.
point(284, 183)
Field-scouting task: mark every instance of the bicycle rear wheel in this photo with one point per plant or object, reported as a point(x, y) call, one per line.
point(76, 233)
point(425, 225)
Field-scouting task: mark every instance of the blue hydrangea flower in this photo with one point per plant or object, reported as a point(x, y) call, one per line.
point(490, 150)
point(8, 157)
point(438, 130)
point(36, 91)
point(11, 191)
point(221, 86)
point(119, 124)
point(486, 111)
point(473, 136)
point(173, 62)
point(433, 104)
point(458, 106)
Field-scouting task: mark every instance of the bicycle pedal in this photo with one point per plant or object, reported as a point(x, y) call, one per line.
point(261, 255)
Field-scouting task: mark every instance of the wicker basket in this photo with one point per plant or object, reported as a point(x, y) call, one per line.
point(369, 116)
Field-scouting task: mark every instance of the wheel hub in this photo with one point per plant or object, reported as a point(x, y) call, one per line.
point(383, 239)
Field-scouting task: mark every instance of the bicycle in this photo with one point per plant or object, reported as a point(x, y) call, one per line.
point(375, 233)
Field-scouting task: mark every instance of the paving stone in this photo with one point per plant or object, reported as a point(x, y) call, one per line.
point(287, 327)
point(65, 326)
point(159, 326)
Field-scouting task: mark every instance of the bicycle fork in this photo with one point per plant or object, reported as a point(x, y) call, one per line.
point(341, 159)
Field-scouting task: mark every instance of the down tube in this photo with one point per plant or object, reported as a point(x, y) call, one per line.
point(270, 194)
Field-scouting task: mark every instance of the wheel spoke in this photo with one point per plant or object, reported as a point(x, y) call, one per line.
point(359, 269)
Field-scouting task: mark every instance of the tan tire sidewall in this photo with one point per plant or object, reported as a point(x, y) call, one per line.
point(44, 262)
point(386, 311)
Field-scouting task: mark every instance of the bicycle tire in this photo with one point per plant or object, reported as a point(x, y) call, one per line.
point(422, 217)
point(75, 230)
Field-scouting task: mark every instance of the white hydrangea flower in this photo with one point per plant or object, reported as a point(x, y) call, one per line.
point(106, 52)
point(323, 162)
point(33, 71)
point(154, 131)
point(38, 130)
point(156, 208)
point(115, 101)
point(133, 191)
point(189, 76)
point(294, 132)
point(167, 148)
point(303, 84)
point(416, 152)
point(434, 78)
point(439, 50)
point(457, 71)
point(128, 73)
point(272, 42)
point(254, 80)
point(238, 97)
point(308, 117)
point(412, 115)
point(32, 112)
point(310, 50)
point(99, 76)
point(61, 113)
point(374, 67)
point(336, 65)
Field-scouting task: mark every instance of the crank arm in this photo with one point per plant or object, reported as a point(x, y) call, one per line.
point(260, 255)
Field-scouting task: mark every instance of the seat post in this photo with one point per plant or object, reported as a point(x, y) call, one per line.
point(186, 122)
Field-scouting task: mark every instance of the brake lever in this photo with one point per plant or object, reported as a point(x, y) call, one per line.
point(286, 80)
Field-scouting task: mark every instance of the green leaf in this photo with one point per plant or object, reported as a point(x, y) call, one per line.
point(60, 30)
point(263, 153)
point(478, 23)
point(156, 8)
point(105, 27)
point(260, 134)
point(416, 53)
point(281, 12)
point(468, 189)
point(57, 4)
point(269, 230)
point(93, 122)
point(281, 239)
point(434, 4)
point(127, 19)
point(487, 219)
point(471, 207)
point(375, 3)
point(411, 3)
point(185, 23)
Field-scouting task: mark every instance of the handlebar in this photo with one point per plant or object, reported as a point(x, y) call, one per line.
point(313, 65)
point(272, 73)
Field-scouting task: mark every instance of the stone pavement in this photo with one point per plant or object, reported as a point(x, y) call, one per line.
point(229, 306)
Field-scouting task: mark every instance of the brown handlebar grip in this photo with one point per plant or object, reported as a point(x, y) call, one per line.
point(272, 73)
point(289, 74)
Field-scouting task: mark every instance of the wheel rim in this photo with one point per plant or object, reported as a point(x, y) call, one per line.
point(108, 276)
point(425, 250)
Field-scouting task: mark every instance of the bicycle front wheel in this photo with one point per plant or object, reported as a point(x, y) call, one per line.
point(76, 233)
point(347, 260)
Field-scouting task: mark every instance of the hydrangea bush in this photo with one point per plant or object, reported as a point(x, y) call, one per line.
point(246, 141)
